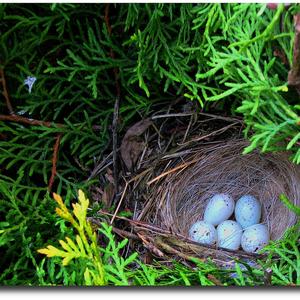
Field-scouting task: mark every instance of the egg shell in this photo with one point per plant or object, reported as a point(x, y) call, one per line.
point(229, 235)
point(247, 211)
point(219, 208)
point(255, 238)
point(203, 232)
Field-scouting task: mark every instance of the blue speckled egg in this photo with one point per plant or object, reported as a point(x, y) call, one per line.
point(255, 238)
point(229, 235)
point(203, 232)
point(219, 208)
point(247, 211)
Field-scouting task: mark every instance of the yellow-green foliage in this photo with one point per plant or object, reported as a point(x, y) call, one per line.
point(85, 244)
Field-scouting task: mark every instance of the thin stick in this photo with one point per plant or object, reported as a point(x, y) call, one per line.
point(294, 73)
point(5, 93)
point(119, 204)
point(54, 161)
point(126, 234)
point(19, 119)
point(229, 119)
point(172, 115)
point(214, 280)
point(24, 120)
point(268, 276)
point(123, 194)
point(182, 166)
point(210, 134)
point(171, 250)
point(116, 108)
point(115, 143)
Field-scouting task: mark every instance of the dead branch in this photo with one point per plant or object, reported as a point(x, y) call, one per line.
point(5, 92)
point(54, 161)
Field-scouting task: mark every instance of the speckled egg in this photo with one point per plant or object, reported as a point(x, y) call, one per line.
point(247, 211)
point(219, 208)
point(203, 232)
point(255, 238)
point(229, 235)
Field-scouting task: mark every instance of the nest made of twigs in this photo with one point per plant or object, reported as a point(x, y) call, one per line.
point(183, 195)
point(178, 196)
point(175, 162)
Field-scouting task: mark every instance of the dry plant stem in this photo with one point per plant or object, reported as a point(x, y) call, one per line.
point(214, 280)
point(124, 193)
point(171, 115)
point(171, 250)
point(119, 204)
point(209, 135)
point(24, 120)
point(268, 276)
point(294, 73)
point(126, 234)
point(229, 119)
point(183, 166)
point(150, 246)
point(115, 145)
point(54, 161)
point(19, 119)
point(5, 92)
point(116, 109)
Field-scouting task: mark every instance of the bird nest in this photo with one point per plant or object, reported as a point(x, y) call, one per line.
point(173, 190)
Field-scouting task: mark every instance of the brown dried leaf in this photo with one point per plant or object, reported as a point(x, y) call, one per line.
point(108, 195)
point(132, 145)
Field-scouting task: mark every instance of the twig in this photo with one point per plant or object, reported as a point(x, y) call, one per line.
point(120, 202)
point(171, 250)
point(54, 161)
point(294, 73)
point(221, 130)
point(5, 92)
point(116, 107)
point(268, 276)
point(126, 234)
point(214, 280)
point(124, 192)
point(182, 166)
point(115, 144)
point(150, 246)
point(171, 115)
point(19, 119)
point(24, 120)
point(229, 119)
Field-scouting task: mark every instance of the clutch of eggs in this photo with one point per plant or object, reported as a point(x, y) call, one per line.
point(244, 232)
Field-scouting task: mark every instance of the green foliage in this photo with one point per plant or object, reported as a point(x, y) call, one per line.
point(221, 55)
point(26, 221)
point(294, 208)
point(284, 258)
point(104, 265)
point(85, 244)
